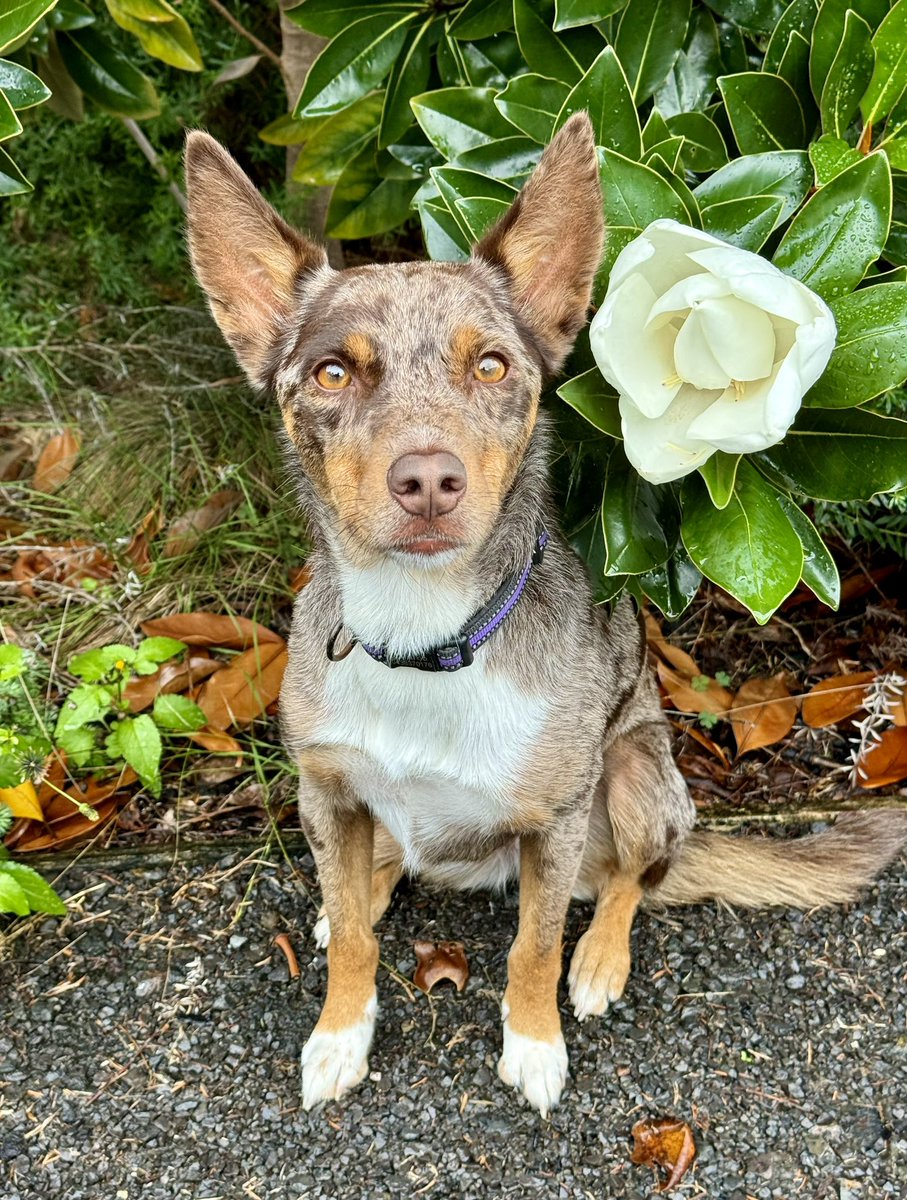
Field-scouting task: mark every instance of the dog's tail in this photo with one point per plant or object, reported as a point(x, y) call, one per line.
point(758, 872)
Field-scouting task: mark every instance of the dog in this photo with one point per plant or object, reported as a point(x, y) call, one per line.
point(455, 703)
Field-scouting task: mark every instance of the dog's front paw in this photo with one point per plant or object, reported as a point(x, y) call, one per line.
point(598, 975)
point(321, 931)
point(335, 1061)
point(537, 1068)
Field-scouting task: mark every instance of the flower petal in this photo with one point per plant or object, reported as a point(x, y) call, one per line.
point(701, 285)
point(740, 336)
point(637, 361)
point(661, 449)
point(666, 259)
point(754, 279)
point(693, 357)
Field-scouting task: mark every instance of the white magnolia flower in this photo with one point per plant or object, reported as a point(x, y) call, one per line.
point(709, 347)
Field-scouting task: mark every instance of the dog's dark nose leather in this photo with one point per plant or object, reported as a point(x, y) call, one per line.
point(427, 485)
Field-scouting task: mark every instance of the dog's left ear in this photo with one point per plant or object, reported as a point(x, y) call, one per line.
point(549, 242)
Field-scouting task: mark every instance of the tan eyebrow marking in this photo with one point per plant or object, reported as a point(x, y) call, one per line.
point(360, 350)
point(466, 345)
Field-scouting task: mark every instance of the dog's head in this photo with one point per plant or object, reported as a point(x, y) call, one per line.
point(409, 391)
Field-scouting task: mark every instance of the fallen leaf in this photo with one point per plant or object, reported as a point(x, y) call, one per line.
point(704, 740)
point(185, 532)
point(886, 762)
point(138, 550)
point(244, 689)
point(216, 741)
point(211, 629)
point(440, 960)
point(169, 679)
point(22, 800)
point(897, 708)
point(763, 712)
point(69, 563)
point(237, 69)
point(673, 655)
point(664, 1143)
point(73, 827)
point(57, 461)
point(709, 697)
point(835, 698)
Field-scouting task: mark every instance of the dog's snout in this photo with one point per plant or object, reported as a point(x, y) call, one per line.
point(427, 485)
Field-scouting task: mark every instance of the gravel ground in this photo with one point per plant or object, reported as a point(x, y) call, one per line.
point(149, 1047)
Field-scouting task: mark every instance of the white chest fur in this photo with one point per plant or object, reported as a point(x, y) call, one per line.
point(441, 752)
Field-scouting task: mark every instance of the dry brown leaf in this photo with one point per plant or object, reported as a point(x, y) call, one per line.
point(68, 564)
point(673, 655)
point(897, 708)
point(886, 762)
point(216, 741)
point(211, 629)
point(138, 550)
point(835, 698)
point(711, 697)
point(170, 678)
point(185, 532)
point(244, 689)
point(704, 740)
point(664, 1143)
point(37, 836)
point(763, 712)
point(57, 461)
point(440, 960)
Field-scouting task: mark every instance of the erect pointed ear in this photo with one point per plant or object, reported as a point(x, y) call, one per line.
point(549, 242)
point(244, 255)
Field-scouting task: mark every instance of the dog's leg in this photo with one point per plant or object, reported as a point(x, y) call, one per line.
point(535, 1057)
point(630, 848)
point(340, 833)
point(387, 871)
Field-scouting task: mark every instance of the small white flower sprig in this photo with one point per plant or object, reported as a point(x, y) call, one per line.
point(880, 699)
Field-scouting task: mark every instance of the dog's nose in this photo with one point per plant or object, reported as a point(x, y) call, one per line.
point(427, 485)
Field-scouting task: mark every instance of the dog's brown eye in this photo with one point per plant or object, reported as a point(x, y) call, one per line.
point(490, 369)
point(333, 376)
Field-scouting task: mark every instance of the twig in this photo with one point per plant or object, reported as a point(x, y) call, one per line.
point(152, 155)
point(241, 29)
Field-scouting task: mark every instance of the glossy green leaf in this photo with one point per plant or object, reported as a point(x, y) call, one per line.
point(137, 740)
point(819, 571)
point(287, 130)
point(70, 14)
point(720, 473)
point(166, 35)
point(445, 241)
point(849, 74)
point(799, 17)
point(10, 125)
point(481, 19)
point(870, 355)
point(605, 94)
point(20, 86)
point(545, 51)
point(40, 896)
point(896, 246)
point(672, 587)
point(828, 32)
point(18, 18)
point(670, 173)
point(889, 77)
point(704, 148)
point(664, 157)
point(570, 13)
point(339, 139)
point(531, 104)
point(634, 195)
point(152, 651)
point(456, 119)
point(178, 713)
point(832, 241)
point(330, 17)
point(639, 520)
point(12, 897)
point(747, 222)
point(764, 112)
point(693, 77)
point(593, 398)
point(106, 76)
point(476, 201)
point(363, 203)
point(86, 703)
point(839, 454)
point(93, 665)
point(897, 153)
point(830, 156)
point(352, 64)
point(472, 65)
point(749, 548)
point(783, 173)
point(408, 77)
point(754, 16)
point(649, 37)
point(511, 159)
point(794, 69)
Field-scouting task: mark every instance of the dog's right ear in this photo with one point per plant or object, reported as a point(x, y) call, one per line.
point(244, 255)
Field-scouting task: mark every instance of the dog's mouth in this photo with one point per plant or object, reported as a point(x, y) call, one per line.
point(428, 544)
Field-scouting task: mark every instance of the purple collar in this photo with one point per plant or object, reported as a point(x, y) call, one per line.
point(459, 652)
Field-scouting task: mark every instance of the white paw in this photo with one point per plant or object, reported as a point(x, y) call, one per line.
point(538, 1069)
point(332, 1063)
point(322, 932)
point(595, 979)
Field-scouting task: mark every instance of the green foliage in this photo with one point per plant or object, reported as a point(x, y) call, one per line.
point(23, 891)
point(781, 129)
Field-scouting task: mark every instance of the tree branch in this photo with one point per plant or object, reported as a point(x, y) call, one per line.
point(241, 29)
point(151, 154)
